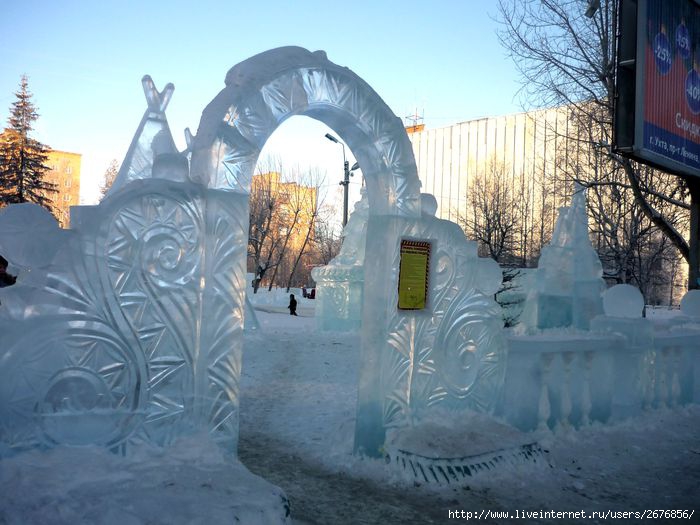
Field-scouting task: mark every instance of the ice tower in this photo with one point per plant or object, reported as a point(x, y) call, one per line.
point(567, 286)
point(339, 284)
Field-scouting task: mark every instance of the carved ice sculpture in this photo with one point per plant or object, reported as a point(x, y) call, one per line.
point(567, 286)
point(339, 284)
point(134, 330)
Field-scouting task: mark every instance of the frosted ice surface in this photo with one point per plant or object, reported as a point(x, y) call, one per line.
point(623, 300)
point(339, 284)
point(29, 235)
point(489, 276)
point(690, 304)
point(428, 204)
point(568, 283)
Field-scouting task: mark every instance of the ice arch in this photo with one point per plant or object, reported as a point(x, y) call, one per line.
point(141, 308)
point(265, 90)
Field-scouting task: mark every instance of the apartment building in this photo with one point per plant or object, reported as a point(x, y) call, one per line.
point(285, 212)
point(65, 174)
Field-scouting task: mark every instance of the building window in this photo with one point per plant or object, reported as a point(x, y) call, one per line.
point(69, 169)
point(66, 198)
point(68, 183)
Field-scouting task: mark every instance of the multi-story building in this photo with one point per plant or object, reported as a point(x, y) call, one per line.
point(537, 154)
point(285, 212)
point(522, 149)
point(65, 174)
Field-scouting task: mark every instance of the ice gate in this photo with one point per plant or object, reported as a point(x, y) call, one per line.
point(134, 331)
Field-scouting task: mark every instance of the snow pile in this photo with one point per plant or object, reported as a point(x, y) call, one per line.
point(189, 483)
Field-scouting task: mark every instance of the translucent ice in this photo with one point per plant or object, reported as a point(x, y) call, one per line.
point(339, 284)
point(623, 300)
point(690, 304)
point(567, 286)
point(39, 249)
point(136, 331)
point(489, 276)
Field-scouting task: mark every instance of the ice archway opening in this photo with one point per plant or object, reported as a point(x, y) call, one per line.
point(267, 89)
point(263, 92)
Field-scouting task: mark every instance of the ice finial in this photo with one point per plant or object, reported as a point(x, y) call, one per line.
point(188, 138)
point(152, 138)
point(157, 101)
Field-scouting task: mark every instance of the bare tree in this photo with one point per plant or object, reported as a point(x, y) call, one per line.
point(567, 59)
point(262, 237)
point(308, 195)
point(289, 217)
point(109, 177)
point(327, 239)
point(283, 216)
point(494, 219)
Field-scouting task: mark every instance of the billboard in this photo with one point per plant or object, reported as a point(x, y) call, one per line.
point(657, 110)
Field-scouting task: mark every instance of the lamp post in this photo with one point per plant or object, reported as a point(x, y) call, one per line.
point(347, 173)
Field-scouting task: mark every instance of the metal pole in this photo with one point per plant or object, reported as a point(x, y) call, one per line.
point(346, 182)
point(694, 244)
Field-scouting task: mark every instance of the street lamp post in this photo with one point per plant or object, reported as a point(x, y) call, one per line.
point(347, 173)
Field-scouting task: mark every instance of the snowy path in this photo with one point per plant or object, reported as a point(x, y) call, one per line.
point(321, 496)
point(292, 396)
point(298, 398)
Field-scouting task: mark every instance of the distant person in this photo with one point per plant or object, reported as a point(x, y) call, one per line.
point(5, 278)
point(292, 305)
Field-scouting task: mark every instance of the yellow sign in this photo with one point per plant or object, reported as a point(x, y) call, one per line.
point(413, 275)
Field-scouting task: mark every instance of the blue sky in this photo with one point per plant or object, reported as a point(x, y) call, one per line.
point(85, 60)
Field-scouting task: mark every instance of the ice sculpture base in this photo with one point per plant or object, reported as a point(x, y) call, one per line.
point(339, 297)
point(435, 451)
point(188, 482)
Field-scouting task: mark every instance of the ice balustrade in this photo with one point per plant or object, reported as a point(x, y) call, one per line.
point(560, 379)
point(585, 355)
point(128, 327)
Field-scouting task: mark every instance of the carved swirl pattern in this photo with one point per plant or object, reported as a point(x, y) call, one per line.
point(153, 246)
point(454, 357)
point(468, 352)
point(222, 325)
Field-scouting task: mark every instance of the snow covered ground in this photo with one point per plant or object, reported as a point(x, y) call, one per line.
point(298, 395)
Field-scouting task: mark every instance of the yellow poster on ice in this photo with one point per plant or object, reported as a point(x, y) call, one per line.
point(413, 275)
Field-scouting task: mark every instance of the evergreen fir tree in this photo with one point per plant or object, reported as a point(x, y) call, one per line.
point(23, 166)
